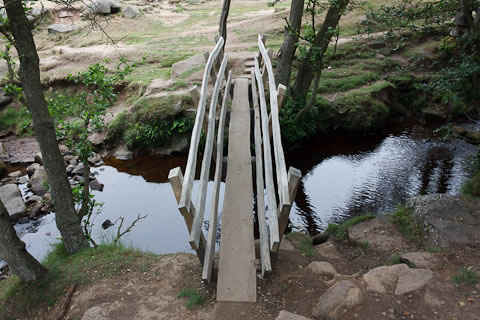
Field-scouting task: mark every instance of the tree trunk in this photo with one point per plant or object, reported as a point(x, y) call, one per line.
point(66, 217)
point(306, 70)
point(222, 31)
point(289, 45)
point(13, 251)
point(463, 17)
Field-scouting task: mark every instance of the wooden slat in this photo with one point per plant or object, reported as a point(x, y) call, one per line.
point(186, 197)
point(175, 177)
point(280, 165)
point(280, 97)
point(264, 243)
point(212, 230)
point(207, 159)
point(294, 178)
point(267, 153)
point(195, 94)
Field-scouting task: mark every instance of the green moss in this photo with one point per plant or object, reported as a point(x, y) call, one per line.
point(341, 84)
point(340, 231)
point(19, 118)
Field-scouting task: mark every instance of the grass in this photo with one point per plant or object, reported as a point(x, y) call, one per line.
point(16, 117)
point(303, 242)
point(195, 297)
point(397, 259)
point(340, 231)
point(406, 225)
point(85, 267)
point(466, 276)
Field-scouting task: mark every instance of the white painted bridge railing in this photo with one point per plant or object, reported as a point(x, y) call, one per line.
point(268, 125)
point(183, 185)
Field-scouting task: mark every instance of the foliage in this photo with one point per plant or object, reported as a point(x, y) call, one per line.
point(78, 115)
point(414, 15)
point(294, 132)
point(340, 232)
point(20, 118)
point(195, 297)
point(83, 268)
point(466, 276)
point(306, 247)
point(403, 219)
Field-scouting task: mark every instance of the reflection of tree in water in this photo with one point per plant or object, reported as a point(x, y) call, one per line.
point(437, 170)
point(306, 211)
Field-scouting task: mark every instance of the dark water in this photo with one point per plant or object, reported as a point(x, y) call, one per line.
point(342, 177)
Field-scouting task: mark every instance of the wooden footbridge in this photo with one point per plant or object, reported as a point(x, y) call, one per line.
point(237, 263)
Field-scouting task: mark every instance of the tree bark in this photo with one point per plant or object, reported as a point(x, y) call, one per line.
point(29, 72)
point(289, 45)
point(463, 17)
point(222, 31)
point(12, 250)
point(308, 67)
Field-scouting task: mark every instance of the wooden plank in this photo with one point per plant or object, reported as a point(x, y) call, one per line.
point(282, 179)
point(207, 160)
point(186, 197)
point(212, 230)
point(281, 96)
point(195, 94)
point(267, 154)
point(294, 179)
point(237, 274)
point(262, 224)
point(175, 177)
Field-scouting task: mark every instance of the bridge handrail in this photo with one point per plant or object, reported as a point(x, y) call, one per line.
point(186, 197)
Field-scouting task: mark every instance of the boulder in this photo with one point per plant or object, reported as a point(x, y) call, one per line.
point(131, 12)
point(39, 182)
point(78, 169)
point(95, 185)
point(123, 153)
point(38, 158)
point(95, 159)
point(32, 168)
point(15, 174)
point(181, 67)
point(322, 268)
point(34, 199)
point(398, 279)
point(23, 180)
point(60, 28)
point(344, 295)
point(104, 7)
point(285, 315)
point(449, 221)
point(3, 151)
point(35, 210)
point(379, 233)
point(12, 199)
point(419, 259)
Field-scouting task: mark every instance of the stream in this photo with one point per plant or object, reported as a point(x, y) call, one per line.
point(342, 177)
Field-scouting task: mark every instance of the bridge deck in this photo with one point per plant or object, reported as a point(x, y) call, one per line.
point(237, 272)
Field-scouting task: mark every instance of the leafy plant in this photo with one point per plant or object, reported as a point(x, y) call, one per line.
point(195, 297)
point(466, 276)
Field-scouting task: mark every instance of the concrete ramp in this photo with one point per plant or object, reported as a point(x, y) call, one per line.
point(237, 272)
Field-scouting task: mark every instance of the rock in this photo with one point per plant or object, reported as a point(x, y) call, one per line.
point(434, 116)
point(39, 182)
point(78, 169)
point(15, 174)
point(23, 220)
point(107, 224)
point(181, 67)
point(379, 233)
point(449, 221)
point(286, 245)
point(37, 12)
point(4, 98)
point(95, 159)
point(80, 179)
point(32, 168)
point(35, 210)
point(383, 280)
point(3, 168)
point(380, 56)
point(34, 199)
point(285, 315)
point(412, 279)
point(60, 28)
point(95, 185)
point(70, 168)
point(398, 278)
point(343, 295)
point(469, 135)
point(320, 238)
point(131, 12)
point(12, 199)
point(104, 7)
point(419, 259)
point(38, 158)
point(23, 180)
point(322, 268)
point(3, 151)
point(123, 153)
point(68, 157)
point(177, 144)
